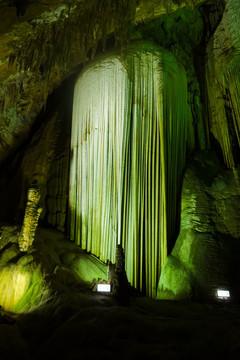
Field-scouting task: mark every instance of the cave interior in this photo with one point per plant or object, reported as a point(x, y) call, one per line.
point(119, 164)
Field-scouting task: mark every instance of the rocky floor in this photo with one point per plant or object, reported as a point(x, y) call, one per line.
point(85, 325)
point(57, 315)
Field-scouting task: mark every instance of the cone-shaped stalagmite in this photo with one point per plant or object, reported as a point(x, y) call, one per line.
point(128, 152)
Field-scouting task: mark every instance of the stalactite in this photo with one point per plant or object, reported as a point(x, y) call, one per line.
point(223, 84)
point(128, 152)
point(231, 70)
point(56, 37)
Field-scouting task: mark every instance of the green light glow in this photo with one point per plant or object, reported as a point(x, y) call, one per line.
point(13, 286)
point(21, 287)
point(128, 152)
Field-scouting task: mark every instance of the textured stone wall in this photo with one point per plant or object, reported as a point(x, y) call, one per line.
point(223, 84)
point(205, 256)
point(45, 159)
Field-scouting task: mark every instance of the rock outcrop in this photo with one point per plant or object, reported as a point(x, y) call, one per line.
point(204, 257)
point(51, 266)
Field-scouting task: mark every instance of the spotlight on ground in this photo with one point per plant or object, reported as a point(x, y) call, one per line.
point(223, 294)
point(104, 288)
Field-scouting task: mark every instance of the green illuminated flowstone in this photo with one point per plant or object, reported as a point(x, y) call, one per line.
point(128, 151)
point(22, 284)
point(50, 267)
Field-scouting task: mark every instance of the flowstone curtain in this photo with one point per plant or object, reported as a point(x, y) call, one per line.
point(128, 152)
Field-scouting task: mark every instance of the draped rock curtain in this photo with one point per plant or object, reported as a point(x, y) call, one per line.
point(127, 155)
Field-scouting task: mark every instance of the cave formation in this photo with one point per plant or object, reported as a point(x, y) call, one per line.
point(127, 154)
point(126, 116)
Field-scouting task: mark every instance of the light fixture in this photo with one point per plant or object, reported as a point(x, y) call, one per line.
point(104, 288)
point(223, 294)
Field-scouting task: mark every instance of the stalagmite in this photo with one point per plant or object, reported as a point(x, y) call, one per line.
point(30, 222)
point(128, 151)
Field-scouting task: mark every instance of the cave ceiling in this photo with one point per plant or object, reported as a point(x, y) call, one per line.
point(42, 42)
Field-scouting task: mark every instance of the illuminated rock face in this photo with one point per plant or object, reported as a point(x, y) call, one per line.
point(205, 256)
point(51, 265)
point(128, 151)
